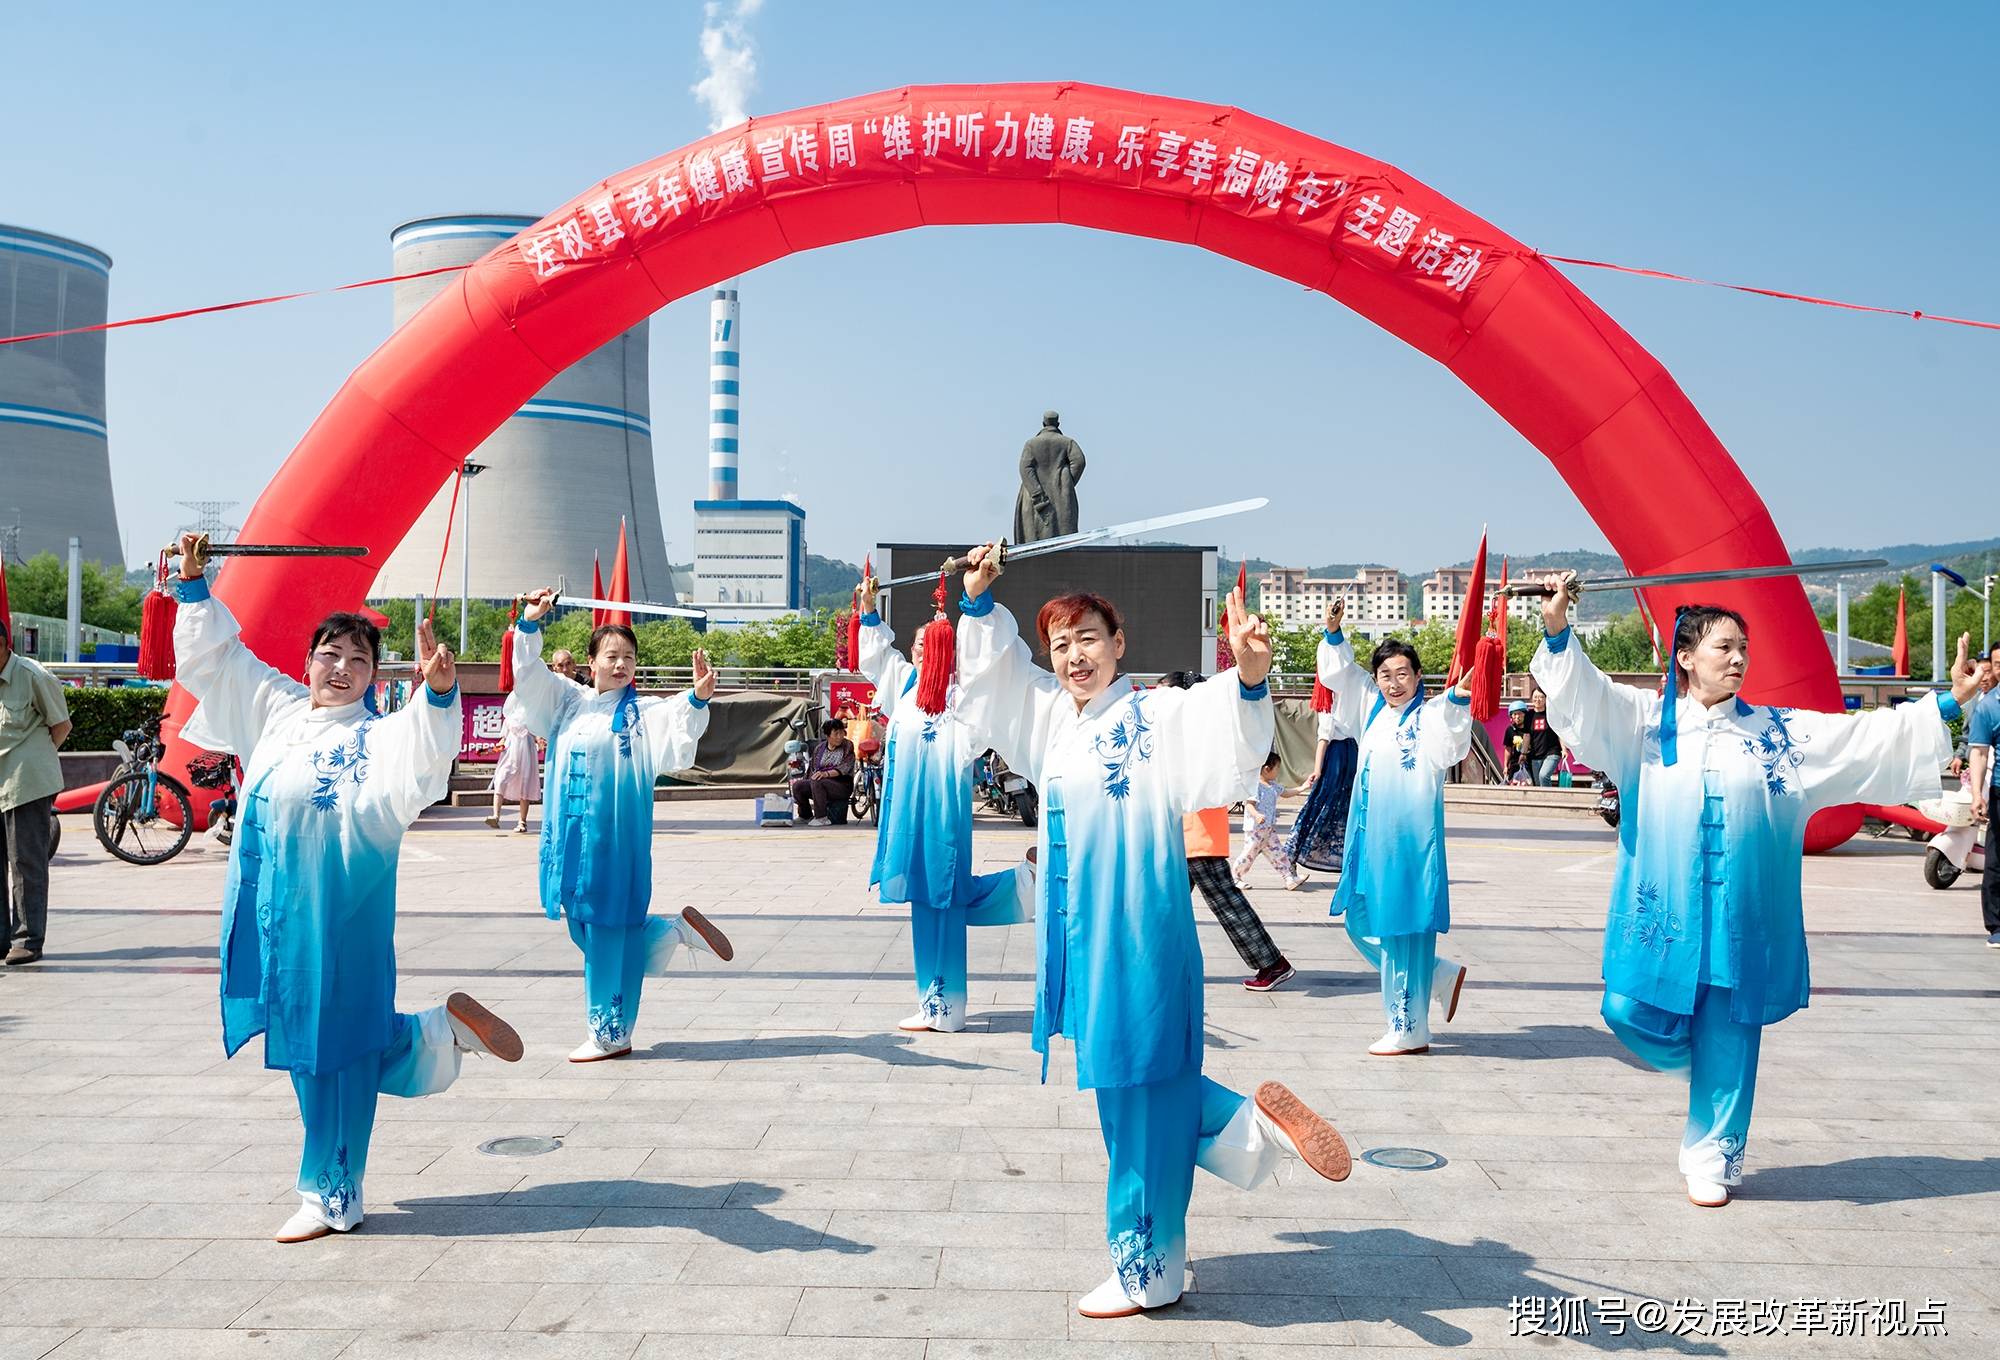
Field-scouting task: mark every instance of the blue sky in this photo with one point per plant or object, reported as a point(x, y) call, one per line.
point(231, 150)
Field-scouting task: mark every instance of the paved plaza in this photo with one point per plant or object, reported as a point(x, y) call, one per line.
point(778, 1172)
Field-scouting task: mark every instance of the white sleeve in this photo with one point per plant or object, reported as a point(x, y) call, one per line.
point(1446, 737)
point(1602, 722)
point(883, 665)
point(1340, 673)
point(673, 729)
point(238, 695)
point(1212, 740)
point(1887, 755)
point(1005, 700)
point(412, 753)
point(541, 698)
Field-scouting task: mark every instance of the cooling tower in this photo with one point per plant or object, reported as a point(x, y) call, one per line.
point(725, 388)
point(55, 456)
point(559, 473)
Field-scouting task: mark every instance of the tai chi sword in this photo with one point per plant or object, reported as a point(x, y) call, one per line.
point(1689, 578)
point(1088, 536)
point(205, 549)
point(631, 606)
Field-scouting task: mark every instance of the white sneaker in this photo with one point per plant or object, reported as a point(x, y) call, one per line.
point(592, 1051)
point(820, 821)
point(478, 1030)
point(1109, 1300)
point(916, 1022)
point(1300, 1131)
point(698, 932)
point(1447, 982)
point(1707, 1194)
point(1399, 1044)
point(311, 1222)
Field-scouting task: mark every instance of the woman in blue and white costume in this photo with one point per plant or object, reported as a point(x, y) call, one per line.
point(1119, 970)
point(1705, 942)
point(607, 748)
point(923, 848)
point(1394, 887)
point(309, 916)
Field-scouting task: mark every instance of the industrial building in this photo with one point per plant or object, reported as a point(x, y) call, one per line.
point(557, 476)
point(749, 555)
point(55, 451)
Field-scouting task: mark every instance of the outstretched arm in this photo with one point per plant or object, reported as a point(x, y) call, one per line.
point(239, 695)
point(884, 666)
point(1005, 700)
point(1603, 722)
point(541, 698)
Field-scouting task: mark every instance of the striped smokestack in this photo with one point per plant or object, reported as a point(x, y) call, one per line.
point(725, 377)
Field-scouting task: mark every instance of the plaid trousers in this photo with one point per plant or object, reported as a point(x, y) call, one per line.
point(1239, 919)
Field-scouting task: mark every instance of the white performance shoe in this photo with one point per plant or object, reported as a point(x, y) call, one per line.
point(914, 1023)
point(311, 1222)
point(592, 1051)
point(478, 1030)
point(1707, 1194)
point(698, 932)
point(1109, 1300)
point(1301, 1131)
point(1447, 982)
point(1398, 1044)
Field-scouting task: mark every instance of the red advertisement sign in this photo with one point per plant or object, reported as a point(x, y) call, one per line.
point(484, 721)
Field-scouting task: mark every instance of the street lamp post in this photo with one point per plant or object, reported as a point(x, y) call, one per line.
point(468, 471)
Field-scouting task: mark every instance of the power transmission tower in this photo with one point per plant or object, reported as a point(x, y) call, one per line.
point(208, 519)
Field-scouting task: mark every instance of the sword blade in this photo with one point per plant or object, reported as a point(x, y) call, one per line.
point(1688, 578)
point(633, 606)
point(1042, 546)
point(278, 550)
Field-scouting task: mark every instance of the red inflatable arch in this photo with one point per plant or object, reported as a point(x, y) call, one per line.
point(1619, 430)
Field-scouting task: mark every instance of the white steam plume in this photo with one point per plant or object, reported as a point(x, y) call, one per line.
point(732, 63)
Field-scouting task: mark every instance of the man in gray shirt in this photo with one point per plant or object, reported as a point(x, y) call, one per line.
point(34, 721)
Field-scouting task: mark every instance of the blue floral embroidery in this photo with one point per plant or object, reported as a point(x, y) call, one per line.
point(1134, 1258)
point(607, 1023)
point(931, 727)
point(934, 1006)
point(1777, 750)
point(336, 1187)
point(1129, 742)
point(1400, 1018)
point(346, 763)
point(1651, 926)
point(1731, 1148)
point(1406, 740)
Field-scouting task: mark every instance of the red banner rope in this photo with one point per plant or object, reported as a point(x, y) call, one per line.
point(228, 306)
point(1775, 293)
point(1778, 293)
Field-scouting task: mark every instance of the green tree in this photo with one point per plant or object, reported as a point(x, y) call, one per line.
point(1624, 646)
point(41, 586)
point(1872, 618)
point(795, 640)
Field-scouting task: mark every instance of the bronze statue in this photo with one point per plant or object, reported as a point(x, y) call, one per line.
point(1051, 466)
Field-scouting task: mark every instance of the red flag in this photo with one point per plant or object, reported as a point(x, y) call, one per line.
point(596, 590)
point(1500, 603)
point(621, 582)
point(1902, 647)
point(6, 615)
point(1469, 617)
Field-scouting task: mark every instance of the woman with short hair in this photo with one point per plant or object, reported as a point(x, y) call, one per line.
point(1394, 889)
point(309, 916)
point(607, 749)
point(1119, 969)
point(1705, 943)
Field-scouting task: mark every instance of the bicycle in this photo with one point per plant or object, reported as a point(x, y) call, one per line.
point(143, 816)
point(867, 800)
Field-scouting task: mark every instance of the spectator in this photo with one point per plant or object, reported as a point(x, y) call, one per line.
point(1545, 749)
point(34, 721)
point(1260, 830)
point(564, 664)
point(1982, 721)
point(1517, 742)
point(821, 793)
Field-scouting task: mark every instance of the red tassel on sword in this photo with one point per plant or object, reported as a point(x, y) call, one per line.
point(156, 627)
point(507, 650)
point(940, 663)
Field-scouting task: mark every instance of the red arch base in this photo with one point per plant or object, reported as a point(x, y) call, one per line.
point(1612, 420)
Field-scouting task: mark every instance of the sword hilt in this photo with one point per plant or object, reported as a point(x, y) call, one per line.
point(199, 556)
point(952, 564)
point(1540, 590)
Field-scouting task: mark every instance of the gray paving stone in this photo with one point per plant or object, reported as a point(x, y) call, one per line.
point(417, 1305)
point(189, 1343)
point(930, 1313)
point(638, 1306)
point(32, 1343)
point(132, 1303)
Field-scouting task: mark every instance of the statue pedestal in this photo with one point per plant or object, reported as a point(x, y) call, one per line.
point(1165, 592)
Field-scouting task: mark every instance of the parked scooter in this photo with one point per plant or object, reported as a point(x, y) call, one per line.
point(1007, 793)
point(1960, 847)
